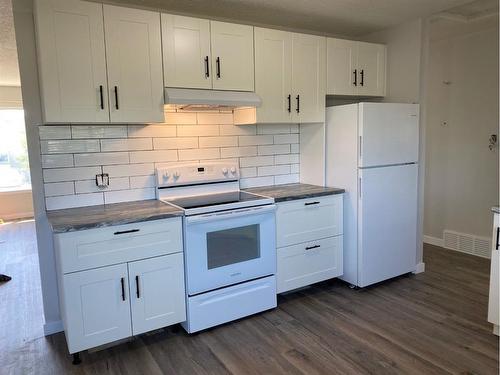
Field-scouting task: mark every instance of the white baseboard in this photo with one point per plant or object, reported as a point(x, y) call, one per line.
point(419, 268)
point(434, 241)
point(50, 328)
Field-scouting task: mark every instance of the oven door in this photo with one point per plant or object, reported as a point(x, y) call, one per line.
point(229, 247)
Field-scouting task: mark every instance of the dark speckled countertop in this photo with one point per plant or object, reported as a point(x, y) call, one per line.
point(73, 219)
point(290, 192)
point(495, 209)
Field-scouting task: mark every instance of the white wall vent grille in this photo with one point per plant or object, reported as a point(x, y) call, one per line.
point(467, 243)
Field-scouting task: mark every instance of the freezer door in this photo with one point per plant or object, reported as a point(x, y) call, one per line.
point(387, 134)
point(387, 223)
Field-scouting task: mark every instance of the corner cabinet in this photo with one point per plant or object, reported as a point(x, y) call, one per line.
point(309, 236)
point(290, 72)
point(199, 53)
point(98, 63)
point(355, 68)
point(120, 281)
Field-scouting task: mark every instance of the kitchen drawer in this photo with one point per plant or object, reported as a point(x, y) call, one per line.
point(309, 219)
point(94, 248)
point(308, 263)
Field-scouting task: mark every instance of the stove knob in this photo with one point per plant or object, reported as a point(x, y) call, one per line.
point(224, 171)
point(166, 175)
point(233, 170)
point(176, 175)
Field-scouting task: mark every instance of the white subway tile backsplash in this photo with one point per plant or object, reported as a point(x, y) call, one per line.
point(89, 186)
point(139, 182)
point(256, 161)
point(57, 160)
point(236, 152)
point(70, 174)
point(69, 146)
point(254, 140)
point(72, 155)
point(153, 156)
point(126, 170)
point(101, 158)
point(218, 141)
point(197, 130)
point(54, 132)
point(99, 131)
point(138, 131)
point(175, 143)
point(273, 170)
point(133, 144)
point(286, 179)
point(199, 154)
point(59, 188)
point(129, 195)
point(274, 149)
point(70, 201)
point(238, 129)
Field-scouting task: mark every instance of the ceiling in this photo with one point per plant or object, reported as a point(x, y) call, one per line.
point(348, 18)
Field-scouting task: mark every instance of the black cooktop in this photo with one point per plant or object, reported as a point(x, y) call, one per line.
point(215, 199)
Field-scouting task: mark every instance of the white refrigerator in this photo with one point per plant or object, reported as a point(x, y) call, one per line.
point(372, 152)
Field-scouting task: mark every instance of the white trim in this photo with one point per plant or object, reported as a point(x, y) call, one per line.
point(419, 268)
point(434, 241)
point(50, 328)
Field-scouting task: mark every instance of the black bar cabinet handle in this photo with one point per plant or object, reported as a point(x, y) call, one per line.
point(116, 98)
point(126, 231)
point(217, 64)
point(362, 77)
point(310, 203)
point(312, 247)
point(207, 69)
point(498, 238)
point(137, 286)
point(298, 103)
point(355, 83)
point(122, 280)
point(101, 95)
point(289, 103)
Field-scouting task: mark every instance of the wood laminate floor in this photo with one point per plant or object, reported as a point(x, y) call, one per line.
point(431, 323)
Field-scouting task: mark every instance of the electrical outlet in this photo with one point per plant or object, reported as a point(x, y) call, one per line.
point(102, 180)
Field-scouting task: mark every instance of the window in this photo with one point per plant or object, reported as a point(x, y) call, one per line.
point(14, 167)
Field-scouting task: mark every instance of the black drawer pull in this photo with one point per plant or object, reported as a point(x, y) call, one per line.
point(310, 203)
point(127, 231)
point(101, 96)
point(137, 286)
point(207, 69)
point(122, 281)
point(312, 247)
point(289, 103)
point(116, 98)
point(498, 235)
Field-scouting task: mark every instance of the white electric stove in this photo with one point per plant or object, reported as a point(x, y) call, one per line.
point(229, 242)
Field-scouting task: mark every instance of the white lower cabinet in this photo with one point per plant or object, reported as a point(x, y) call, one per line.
point(103, 303)
point(310, 241)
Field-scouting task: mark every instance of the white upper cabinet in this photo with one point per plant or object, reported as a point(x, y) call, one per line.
point(186, 52)
point(273, 74)
point(308, 78)
point(232, 56)
point(135, 77)
point(99, 63)
point(72, 61)
point(355, 68)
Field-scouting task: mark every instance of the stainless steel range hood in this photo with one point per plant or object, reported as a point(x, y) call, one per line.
point(194, 99)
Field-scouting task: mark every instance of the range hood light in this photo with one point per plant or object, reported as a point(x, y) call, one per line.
point(199, 100)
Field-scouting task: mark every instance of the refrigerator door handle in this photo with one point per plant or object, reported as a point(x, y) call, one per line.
point(360, 146)
point(359, 187)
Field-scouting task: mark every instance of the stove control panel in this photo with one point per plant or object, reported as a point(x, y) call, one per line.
point(196, 173)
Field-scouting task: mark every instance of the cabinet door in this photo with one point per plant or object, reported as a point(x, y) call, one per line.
point(273, 73)
point(157, 292)
point(341, 67)
point(186, 52)
point(133, 53)
point(232, 56)
point(96, 306)
point(308, 78)
point(72, 63)
point(371, 69)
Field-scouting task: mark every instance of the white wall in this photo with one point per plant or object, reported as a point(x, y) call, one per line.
point(407, 48)
point(462, 173)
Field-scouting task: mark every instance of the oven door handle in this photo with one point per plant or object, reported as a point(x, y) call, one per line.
point(230, 214)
